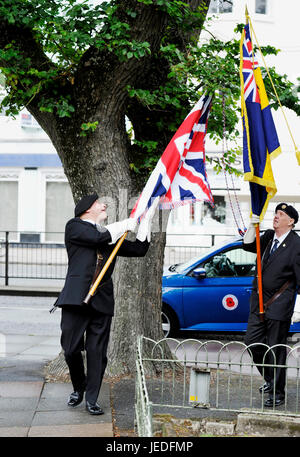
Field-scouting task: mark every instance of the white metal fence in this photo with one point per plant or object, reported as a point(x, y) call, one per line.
point(209, 376)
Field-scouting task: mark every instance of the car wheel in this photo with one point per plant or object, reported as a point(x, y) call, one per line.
point(169, 322)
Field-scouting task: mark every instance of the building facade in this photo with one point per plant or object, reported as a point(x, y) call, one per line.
point(36, 198)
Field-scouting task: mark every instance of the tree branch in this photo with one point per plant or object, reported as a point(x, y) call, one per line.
point(24, 39)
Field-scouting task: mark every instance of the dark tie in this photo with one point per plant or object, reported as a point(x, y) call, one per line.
point(275, 246)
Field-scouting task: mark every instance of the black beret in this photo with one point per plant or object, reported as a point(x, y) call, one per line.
point(289, 210)
point(85, 203)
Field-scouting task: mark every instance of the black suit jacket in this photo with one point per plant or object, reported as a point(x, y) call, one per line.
point(82, 241)
point(281, 266)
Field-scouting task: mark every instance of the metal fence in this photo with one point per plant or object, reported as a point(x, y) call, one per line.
point(43, 255)
point(26, 258)
point(211, 376)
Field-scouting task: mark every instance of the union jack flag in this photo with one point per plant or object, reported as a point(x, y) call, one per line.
point(180, 174)
point(249, 64)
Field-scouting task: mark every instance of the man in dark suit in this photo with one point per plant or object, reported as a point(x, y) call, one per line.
point(280, 250)
point(88, 325)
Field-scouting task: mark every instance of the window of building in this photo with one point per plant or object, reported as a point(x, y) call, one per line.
point(9, 208)
point(59, 209)
point(220, 6)
point(192, 213)
point(216, 214)
point(261, 6)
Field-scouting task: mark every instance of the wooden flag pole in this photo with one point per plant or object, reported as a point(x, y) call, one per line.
point(104, 269)
point(259, 274)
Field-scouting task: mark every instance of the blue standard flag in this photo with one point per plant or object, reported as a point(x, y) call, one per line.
point(260, 140)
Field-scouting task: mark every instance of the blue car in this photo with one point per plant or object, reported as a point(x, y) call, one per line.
point(211, 292)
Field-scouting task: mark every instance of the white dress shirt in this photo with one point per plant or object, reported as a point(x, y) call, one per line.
point(280, 239)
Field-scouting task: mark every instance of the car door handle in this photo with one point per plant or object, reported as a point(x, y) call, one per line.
point(249, 290)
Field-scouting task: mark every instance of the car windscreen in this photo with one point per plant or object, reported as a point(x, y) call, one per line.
point(181, 267)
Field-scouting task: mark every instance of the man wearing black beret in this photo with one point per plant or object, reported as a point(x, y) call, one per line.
point(280, 250)
point(87, 326)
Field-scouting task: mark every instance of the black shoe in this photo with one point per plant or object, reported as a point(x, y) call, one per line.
point(94, 408)
point(76, 398)
point(270, 402)
point(267, 387)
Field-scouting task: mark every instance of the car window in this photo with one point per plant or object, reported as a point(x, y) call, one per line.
point(235, 262)
point(181, 267)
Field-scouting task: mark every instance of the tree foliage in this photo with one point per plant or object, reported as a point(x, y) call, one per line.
point(45, 45)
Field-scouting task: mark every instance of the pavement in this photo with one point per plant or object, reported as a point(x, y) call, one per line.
point(39, 409)
point(32, 407)
point(29, 405)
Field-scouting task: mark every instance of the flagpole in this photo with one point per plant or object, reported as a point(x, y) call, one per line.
point(104, 269)
point(259, 269)
point(259, 274)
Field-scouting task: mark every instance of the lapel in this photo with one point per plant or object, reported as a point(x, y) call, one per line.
point(266, 254)
point(283, 246)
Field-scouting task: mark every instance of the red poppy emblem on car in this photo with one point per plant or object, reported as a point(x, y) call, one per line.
point(230, 302)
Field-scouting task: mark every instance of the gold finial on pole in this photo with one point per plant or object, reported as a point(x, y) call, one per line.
point(247, 14)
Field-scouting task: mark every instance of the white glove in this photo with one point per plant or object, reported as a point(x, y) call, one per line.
point(249, 236)
point(117, 229)
point(144, 230)
point(255, 219)
point(295, 317)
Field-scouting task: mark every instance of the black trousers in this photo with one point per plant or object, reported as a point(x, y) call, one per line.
point(269, 332)
point(85, 328)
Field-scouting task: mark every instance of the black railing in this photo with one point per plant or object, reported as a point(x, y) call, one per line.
point(32, 260)
point(22, 257)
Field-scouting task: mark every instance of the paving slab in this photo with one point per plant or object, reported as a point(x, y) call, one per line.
point(18, 402)
point(25, 340)
point(24, 369)
point(56, 390)
point(70, 416)
point(12, 350)
point(8, 405)
point(40, 409)
point(54, 399)
point(16, 418)
point(42, 351)
point(52, 341)
point(14, 345)
point(21, 389)
point(82, 430)
point(33, 357)
point(13, 432)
